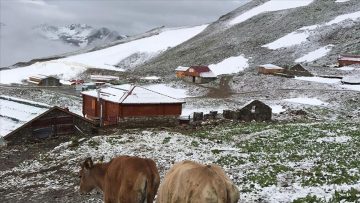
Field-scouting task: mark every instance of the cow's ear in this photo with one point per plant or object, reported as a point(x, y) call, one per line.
point(88, 164)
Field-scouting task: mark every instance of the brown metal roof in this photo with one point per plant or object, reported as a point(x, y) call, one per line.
point(201, 69)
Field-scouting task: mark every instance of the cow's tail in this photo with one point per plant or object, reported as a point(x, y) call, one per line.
point(144, 192)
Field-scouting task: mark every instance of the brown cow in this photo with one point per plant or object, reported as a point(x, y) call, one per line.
point(124, 179)
point(189, 181)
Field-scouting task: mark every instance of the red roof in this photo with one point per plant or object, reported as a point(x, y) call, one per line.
point(200, 69)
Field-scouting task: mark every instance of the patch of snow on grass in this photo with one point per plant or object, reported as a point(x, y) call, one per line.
point(341, 1)
point(273, 5)
point(352, 87)
point(320, 80)
point(61, 69)
point(340, 139)
point(277, 109)
point(230, 65)
point(346, 68)
point(312, 56)
point(156, 43)
point(151, 78)
point(307, 101)
point(288, 40)
point(340, 18)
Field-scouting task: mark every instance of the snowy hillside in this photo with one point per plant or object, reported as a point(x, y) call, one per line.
point(108, 58)
point(276, 31)
point(80, 35)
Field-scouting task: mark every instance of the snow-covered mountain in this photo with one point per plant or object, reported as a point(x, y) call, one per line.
point(81, 35)
point(259, 32)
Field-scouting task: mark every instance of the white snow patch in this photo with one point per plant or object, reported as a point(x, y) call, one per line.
point(273, 5)
point(288, 40)
point(151, 78)
point(277, 109)
point(340, 139)
point(230, 65)
point(312, 56)
point(320, 80)
point(340, 18)
point(61, 69)
point(341, 1)
point(346, 68)
point(352, 87)
point(113, 55)
point(307, 101)
point(352, 79)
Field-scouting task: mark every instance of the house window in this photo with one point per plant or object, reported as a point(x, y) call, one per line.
point(253, 109)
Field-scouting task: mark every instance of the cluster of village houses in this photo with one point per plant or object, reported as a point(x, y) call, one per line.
point(136, 106)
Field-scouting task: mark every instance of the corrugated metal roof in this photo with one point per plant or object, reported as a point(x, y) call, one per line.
point(128, 94)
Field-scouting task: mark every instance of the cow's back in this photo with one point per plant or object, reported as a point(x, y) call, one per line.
point(188, 181)
point(131, 179)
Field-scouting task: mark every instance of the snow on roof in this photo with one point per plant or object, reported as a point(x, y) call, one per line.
point(207, 75)
point(103, 77)
point(270, 66)
point(15, 112)
point(272, 5)
point(39, 76)
point(128, 94)
point(182, 68)
point(349, 58)
point(314, 55)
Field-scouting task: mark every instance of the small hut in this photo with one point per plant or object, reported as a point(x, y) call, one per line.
point(269, 69)
point(180, 71)
point(298, 70)
point(345, 60)
point(44, 80)
point(255, 110)
point(53, 123)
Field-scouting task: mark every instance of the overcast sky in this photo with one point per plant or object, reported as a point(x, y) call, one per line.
point(127, 17)
point(130, 17)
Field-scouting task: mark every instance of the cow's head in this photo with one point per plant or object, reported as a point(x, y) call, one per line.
point(87, 181)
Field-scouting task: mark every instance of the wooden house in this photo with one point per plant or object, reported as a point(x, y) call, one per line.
point(345, 60)
point(53, 123)
point(269, 69)
point(199, 74)
point(180, 71)
point(43, 80)
point(130, 105)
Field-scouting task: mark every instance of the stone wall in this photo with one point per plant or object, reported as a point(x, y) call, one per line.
point(153, 121)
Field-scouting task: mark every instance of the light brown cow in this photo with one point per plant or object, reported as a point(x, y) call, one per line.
point(188, 181)
point(124, 179)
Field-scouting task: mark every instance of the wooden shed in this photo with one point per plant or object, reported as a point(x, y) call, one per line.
point(54, 122)
point(297, 70)
point(124, 104)
point(345, 60)
point(180, 71)
point(44, 80)
point(269, 69)
point(255, 110)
